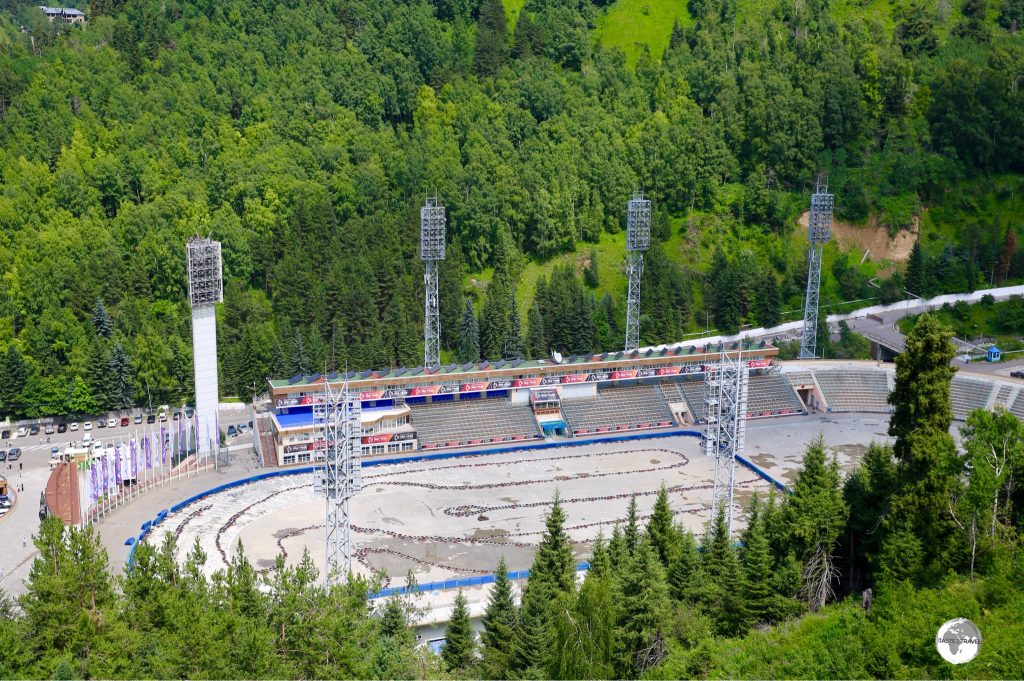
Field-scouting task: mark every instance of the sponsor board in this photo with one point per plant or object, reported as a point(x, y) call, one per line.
point(380, 438)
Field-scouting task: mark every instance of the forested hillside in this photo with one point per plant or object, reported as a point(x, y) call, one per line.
point(304, 135)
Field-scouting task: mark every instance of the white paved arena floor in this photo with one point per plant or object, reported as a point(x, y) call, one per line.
point(456, 517)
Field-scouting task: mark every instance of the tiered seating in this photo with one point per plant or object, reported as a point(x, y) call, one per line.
point(693, 391)
point(798, 378)
point(672, 393)
point(968, 394)
point(454, 424)
point(1017, 408)
point(1003, 396)
point(618, 409)
point(772, 395)
point(865, 390)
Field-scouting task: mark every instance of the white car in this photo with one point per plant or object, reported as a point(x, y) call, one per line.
point(74, 426)
point(163, 416)
point(87, 440)
point(87, 426)
point(22, 431)
point(111, 423)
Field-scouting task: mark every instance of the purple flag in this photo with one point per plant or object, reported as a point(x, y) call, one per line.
point(106, 474)
point(117, 464)
point(94, 493)
point(149, 455)
point(133, 458)
point(163, 444)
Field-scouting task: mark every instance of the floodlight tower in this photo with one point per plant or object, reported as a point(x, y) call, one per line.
point(339, 431)
point(205, 290)
point(638, 240)
point(432, 238)
point(819, 229)
point(725, 415)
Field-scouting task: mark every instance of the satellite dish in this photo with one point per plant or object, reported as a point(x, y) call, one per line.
point(557, 356)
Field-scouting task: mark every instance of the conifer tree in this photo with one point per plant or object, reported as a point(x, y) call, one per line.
point(617, 552)
point(759, 595)
point(499, 622)
point(768, 301)
point(101, 321)
point(639, 640)
point(469, 335)
point(536, 346)
point(459, 642)
point(531, 645)
point(492, 46)
point(554, 562)
point(685, 578)
point(631, 532)
point(514, 339)
point(661, 532)
point(122, 390)
point(13, 377)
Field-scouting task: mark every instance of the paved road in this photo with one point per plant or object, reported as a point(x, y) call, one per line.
point(33, 470)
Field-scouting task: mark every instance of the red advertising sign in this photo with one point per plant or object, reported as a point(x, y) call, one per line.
point(628, 373)
point(424, 390)
point(525, 382)
point(575, 378)
point(758, 363)
point(371, 394)
point(388, 437)
point(668, 371)
point(473, 387)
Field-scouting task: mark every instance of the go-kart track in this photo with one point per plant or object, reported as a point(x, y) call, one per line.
point(452, 518)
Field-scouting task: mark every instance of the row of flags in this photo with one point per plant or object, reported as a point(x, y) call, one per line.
point(150, 454)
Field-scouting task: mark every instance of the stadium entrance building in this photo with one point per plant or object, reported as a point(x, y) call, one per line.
point(514, 401)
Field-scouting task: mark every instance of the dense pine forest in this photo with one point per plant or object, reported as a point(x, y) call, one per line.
point(305, 134)
point(933, 531)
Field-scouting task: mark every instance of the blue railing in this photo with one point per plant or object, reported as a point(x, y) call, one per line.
point(150, 525)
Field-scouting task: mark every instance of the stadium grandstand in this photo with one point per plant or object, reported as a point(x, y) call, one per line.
point(488, 403)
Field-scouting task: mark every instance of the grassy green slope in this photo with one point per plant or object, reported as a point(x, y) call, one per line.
point(633, 24)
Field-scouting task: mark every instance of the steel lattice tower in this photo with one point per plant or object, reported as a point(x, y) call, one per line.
point(819, 229)
point(432, 245)
point(638, 240)
point(340, 431)
point(725, 415)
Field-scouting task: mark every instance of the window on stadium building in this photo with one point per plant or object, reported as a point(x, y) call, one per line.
point(303, 458)
point(289, 459)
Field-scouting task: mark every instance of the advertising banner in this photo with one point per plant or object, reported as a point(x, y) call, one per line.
point(476, 387)
point(524, 383)
point(758, 363)
point(380, 438)
point(575, 378)
point(626, 373)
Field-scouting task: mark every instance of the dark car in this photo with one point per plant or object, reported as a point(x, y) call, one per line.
point(177, 416)
point(101, 424)
point(14, 454)
point(3, 455)
point(1017, 374)
point(6, 435)
point(34, 430)
point(151, 418)
point(62, 427)
point(232, 431)
point(5, 501)
point(188, 412)
point(124, 421)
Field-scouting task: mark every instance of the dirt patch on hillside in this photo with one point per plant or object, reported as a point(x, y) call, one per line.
point(873, 238)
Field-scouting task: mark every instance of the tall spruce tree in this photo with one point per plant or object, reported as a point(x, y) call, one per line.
point(13, 377)
point(469, 335)
point(514, 339)
point(643, 599)
point(536, 346)
point(758, 578)
point(101, 321)
point(554, 562)
point(685, 577)
point(492, 46)
point(926, 461)
point(122, 395)
point(661, 532)
point(499, 622)
point(768, 301)
point(459, 639)
point(631, 530)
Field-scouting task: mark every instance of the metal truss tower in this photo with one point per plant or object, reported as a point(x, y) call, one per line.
point(432, 245)
point(819, 229)
point(205, 290)
point(638, 240)
point(337, 424)
point(725, 415)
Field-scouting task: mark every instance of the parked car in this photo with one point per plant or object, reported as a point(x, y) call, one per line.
point(1017, 374)
point(74, 426)
point(177, 416)
point(6, 435)
point(14, 454)
point(87, 439)
point(163, 416)
point(34, 430)
point(62, 427)
point(124, 421)
point(3, 455)
point(54, 452)
point(150, 418)
point(188, 412)
point(101, 424)
point(112, 423)
point(49, 430)
point(242, 428)
point(5, 501)
point(138, 419)
point(22, 431)
point(87, 425)
point(232, 431)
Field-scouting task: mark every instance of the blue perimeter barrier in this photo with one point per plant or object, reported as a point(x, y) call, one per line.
point(150, 525)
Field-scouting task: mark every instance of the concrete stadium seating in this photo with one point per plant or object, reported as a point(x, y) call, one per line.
point(451, 424)
point(628, 408)
point(864, 390)
point(772, 395)
point(968, 394)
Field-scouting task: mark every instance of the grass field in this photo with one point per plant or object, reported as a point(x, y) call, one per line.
point(633, 24)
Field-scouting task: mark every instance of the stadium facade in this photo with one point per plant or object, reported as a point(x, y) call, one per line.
point(491, 403)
